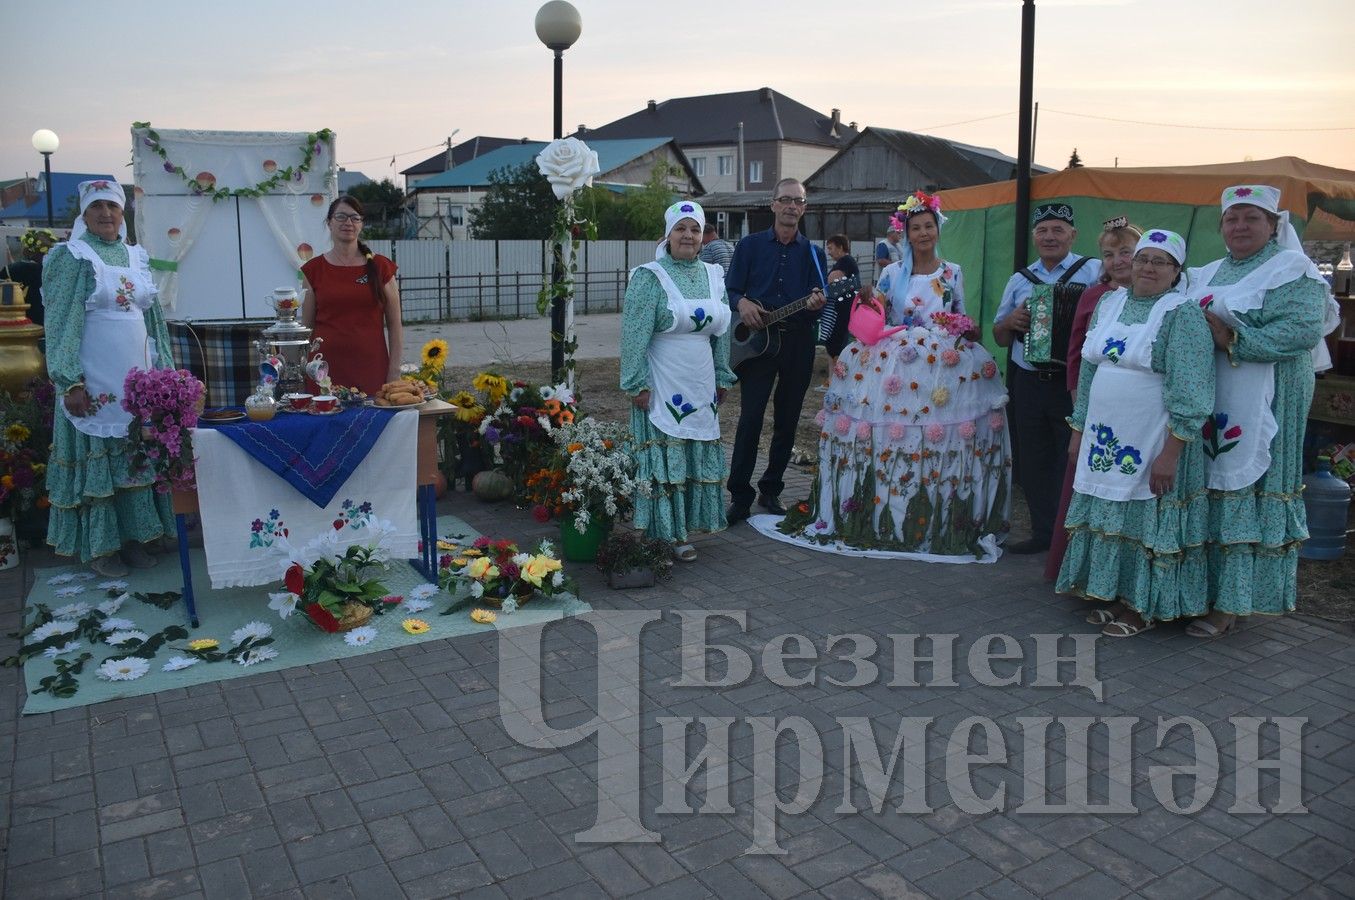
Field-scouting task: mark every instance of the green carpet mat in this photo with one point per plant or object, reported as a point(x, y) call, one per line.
point(296, 640)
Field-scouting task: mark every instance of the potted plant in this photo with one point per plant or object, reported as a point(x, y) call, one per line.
point(167, 402)
point(599, 484)
point(631, 560)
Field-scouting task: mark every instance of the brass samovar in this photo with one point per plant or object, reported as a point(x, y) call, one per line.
point(20, 359)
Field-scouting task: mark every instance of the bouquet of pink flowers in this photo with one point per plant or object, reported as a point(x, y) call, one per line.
point(166, 402)
point(954, 324)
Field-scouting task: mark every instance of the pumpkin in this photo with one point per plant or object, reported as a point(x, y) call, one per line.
point(492, 486)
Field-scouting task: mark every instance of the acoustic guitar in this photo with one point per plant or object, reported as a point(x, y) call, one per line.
point(753, 343)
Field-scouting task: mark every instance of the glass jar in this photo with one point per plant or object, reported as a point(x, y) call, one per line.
point(260, 405)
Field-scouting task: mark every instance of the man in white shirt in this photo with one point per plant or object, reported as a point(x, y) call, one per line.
point(1040, 403)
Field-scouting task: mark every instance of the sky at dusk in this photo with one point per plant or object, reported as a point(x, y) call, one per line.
point(1254, 77)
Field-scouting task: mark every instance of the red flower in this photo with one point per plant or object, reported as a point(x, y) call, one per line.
point(445, 561)
point(540, 513)
point(1208, 429)
point(322, 617)
point(295, 579)
point(338, 524)
point(481, 543)
point(392, 599)
point(1233, 433)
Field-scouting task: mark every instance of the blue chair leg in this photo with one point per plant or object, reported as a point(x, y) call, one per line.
point(431, 528)
point(181, 526)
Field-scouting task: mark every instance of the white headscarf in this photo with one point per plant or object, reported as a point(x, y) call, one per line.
point(1265, 197)
point(683, 209)
point(91, 191)
point(1169, 242)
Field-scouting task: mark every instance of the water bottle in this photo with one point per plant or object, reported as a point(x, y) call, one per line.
point(1326, 499)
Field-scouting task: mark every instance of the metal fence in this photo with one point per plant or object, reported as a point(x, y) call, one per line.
point(474, 280)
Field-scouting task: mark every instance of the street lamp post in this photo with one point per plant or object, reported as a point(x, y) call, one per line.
point(558, 26)
point(45, 142)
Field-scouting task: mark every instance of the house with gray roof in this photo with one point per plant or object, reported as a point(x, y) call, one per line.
point(740, 140)
point(443, 202)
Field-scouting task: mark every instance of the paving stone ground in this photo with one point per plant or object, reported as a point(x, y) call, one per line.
point(392, 774)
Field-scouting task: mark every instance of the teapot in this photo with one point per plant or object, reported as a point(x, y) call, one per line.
point(285, 302)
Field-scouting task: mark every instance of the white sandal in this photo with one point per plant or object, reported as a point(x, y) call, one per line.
point(684, 553)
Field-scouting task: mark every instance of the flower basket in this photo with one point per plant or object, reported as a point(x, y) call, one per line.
point(355, 615)
point(631, 578)
point(497, 571)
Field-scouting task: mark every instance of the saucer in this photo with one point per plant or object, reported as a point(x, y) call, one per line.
point(315, 412)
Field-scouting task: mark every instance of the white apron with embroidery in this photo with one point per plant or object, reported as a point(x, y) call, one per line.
point(1244, 422)
point(115, 338)
point(681, 367)
point(1126, 424)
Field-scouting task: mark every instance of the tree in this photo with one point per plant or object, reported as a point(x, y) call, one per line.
point(634, 215)
point(519, 205)
point(384, 203)
point(1074, 161)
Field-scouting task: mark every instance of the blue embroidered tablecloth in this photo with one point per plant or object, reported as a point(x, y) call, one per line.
point(314, 454)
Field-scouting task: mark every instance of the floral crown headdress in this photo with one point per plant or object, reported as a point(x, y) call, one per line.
point(918, 201)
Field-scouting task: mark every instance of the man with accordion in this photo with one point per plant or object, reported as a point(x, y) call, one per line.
point(1034, 320)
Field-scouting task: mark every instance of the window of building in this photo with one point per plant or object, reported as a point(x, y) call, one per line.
point(755, 171)
point(726, 164)
point(699, 166)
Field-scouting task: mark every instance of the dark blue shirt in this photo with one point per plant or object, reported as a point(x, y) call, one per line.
point(846, 265)
point(774, 274)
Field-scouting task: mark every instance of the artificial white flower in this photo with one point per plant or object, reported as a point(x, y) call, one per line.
point(284, 603)
point(112, 585)
point(545, 423)
point(111, 607)
point(256, 655)
point(521, 559)
point(545, 548)
point(127, 669)
point(71, 611)
point(557, 578)
point(122, 637)
point(69, 647)
point(256, 630)
point(84, 576)
point(46, 630)
point(360, 637)
point(421, 592)
point(175, 663)
point(412, 605)
point(509, 606)
point(116, 624)
point(63, 578)
point(568, 165)
point(70, 591)
point(477, 589)
point(559, 392)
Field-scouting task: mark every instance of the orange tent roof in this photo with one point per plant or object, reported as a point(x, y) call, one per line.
point(1303, 186)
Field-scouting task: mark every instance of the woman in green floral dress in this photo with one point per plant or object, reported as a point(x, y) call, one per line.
point(675, 367)
point(102, 320)
point(1267, 309)
point(1137, 519)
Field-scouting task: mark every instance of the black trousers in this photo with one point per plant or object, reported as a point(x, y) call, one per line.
point(783, 379)
point(1039, 406)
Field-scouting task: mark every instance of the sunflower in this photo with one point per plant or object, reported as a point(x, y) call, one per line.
point(435, 354)
point(204, 644)
point(415, 626)
point(483, 616)
point(495, 386)
point(17, 433)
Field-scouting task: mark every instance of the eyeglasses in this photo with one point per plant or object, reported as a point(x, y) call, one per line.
point(1153, 262)
point(798, 201)
point(341, 218)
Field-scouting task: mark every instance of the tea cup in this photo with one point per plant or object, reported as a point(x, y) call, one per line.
point(317, 370)
point(297, 401)
point(325, 403)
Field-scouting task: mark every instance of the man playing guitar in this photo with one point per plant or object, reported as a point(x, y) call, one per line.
point(776, 267)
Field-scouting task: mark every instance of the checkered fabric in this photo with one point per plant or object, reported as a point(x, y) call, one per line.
point(222, 354)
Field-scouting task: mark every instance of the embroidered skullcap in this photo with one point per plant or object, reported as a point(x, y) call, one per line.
point(1047, 211)
point(1169, 242)
point(101, 189)
point(1260, 195)
point(683, 209)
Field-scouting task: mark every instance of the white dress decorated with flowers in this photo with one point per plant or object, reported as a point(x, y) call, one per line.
point(913, 450)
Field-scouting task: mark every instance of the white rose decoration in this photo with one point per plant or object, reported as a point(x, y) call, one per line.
point(568, 165)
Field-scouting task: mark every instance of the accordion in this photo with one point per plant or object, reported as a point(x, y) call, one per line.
point(1052, 309)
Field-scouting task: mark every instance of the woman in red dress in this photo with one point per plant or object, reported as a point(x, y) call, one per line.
point(351, 294)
